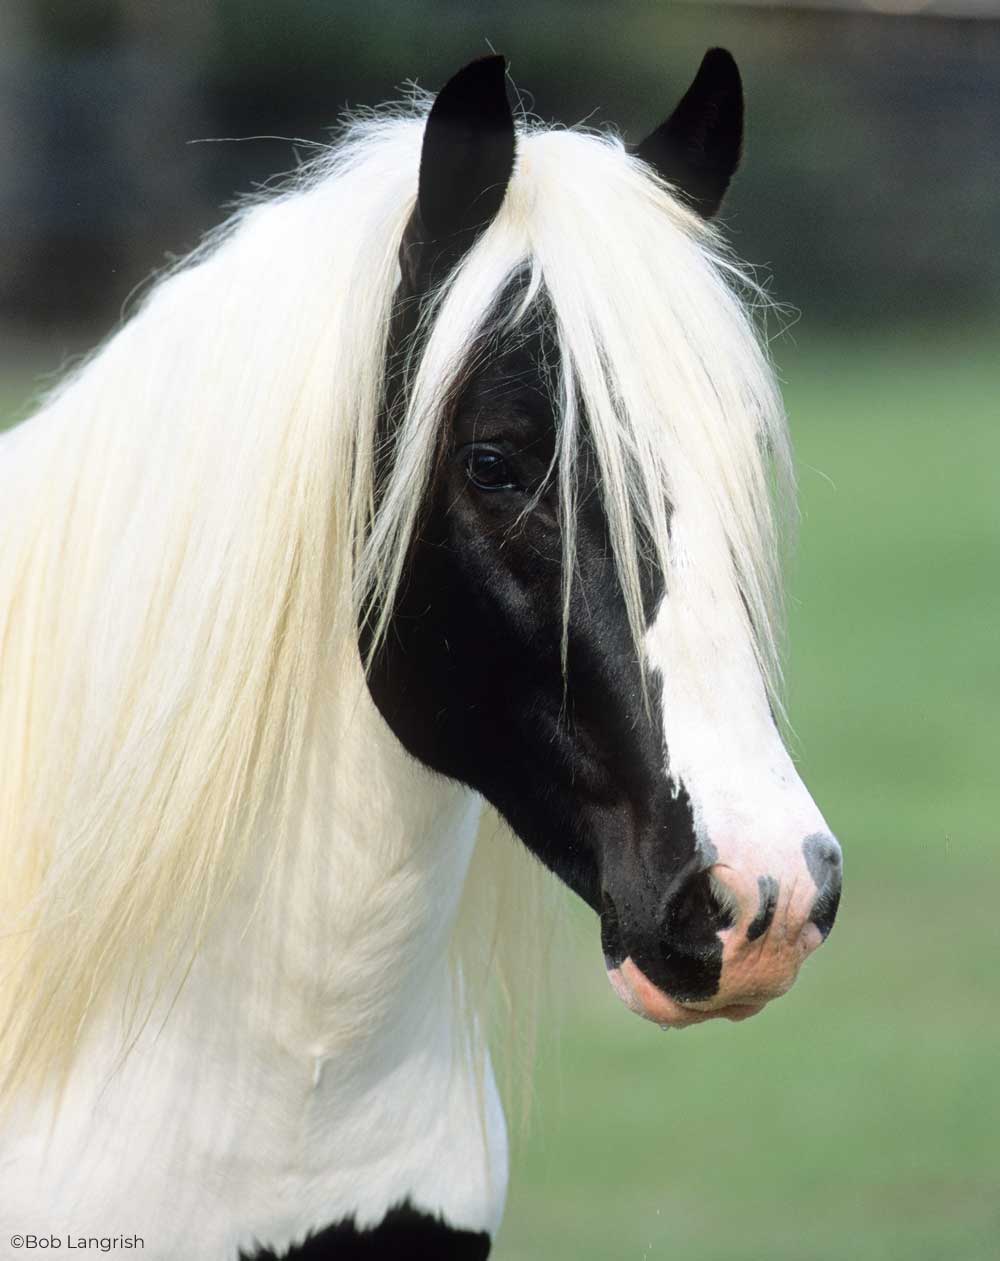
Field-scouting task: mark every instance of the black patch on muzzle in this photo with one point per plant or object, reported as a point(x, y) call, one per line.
point(823, 859)
point(767, 887)
point(611, 935)
point(658, 906)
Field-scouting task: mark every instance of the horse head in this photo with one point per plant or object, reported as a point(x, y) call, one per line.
point(616, 713)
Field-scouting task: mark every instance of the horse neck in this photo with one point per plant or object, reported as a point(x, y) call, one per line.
point(334, 965)
point(343, 937)
point(315, 1063)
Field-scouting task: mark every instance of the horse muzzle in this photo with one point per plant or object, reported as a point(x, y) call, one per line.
point(728, 943)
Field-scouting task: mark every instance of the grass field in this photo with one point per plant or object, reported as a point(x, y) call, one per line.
point(857, 1118)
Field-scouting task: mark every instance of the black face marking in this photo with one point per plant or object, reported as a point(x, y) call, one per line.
point(660, 909)
point(470, 678)
point(822, 857)
point(767, 887)
point(405, 1234)
point(470, 675)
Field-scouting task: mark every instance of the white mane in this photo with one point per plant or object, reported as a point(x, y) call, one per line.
point(186, 531)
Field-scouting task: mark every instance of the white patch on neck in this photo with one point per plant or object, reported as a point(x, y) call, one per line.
point(314, 1067)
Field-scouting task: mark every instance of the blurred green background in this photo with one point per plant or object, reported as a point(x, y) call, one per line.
point(859, 1116)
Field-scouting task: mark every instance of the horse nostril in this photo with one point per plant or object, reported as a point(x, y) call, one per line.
point(822, 855)
point(823, 859)
point(767, 889)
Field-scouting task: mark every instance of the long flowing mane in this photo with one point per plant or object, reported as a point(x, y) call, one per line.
point(189, 533)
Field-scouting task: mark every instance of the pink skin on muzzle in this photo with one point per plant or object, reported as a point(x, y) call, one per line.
point(640, 995)
point(753, 973)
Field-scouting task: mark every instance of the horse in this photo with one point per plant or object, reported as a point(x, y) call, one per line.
point(417, 537)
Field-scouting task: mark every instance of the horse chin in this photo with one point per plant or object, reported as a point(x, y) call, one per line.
point(640, 995)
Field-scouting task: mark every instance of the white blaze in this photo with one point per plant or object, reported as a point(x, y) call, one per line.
point(722, 743)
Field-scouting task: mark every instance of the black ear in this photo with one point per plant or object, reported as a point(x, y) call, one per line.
point(465, 166)
point(698, 148)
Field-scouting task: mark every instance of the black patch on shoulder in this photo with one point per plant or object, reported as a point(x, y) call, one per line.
point(767, 887)
point(404, 1234)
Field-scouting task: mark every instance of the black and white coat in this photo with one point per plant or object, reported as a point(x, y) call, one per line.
point(518, 358)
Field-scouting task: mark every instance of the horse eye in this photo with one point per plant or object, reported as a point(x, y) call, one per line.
point(487, 469)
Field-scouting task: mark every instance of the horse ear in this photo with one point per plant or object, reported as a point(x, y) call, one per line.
point(697, 149)
point(465, 165)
